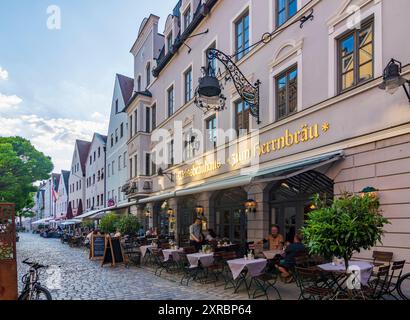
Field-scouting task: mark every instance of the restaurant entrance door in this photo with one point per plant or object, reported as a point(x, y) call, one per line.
point(291, 200)
point(230, 215)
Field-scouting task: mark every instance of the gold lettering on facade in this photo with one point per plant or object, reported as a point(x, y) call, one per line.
point(199, 169)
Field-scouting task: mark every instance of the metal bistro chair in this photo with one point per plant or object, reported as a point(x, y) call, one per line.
point(377, 287)
point(189, 272)
point(396, 271)
point(309, 282)
point(382, 258)
point(216, 269)
point(263, 283)
point(160, 262)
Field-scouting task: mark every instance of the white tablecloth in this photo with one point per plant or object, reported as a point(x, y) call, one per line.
point(270, 254)
point(168, 252)
point(206, 259)
point(255, 267)
point(144, 249)
point(365, 269)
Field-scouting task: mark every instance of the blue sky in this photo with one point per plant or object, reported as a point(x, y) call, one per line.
point(56, 85)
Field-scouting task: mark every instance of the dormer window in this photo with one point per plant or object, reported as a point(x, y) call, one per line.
point(169, 42)
point(187, 17)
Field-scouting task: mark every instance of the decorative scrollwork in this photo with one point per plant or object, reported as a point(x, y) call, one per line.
point(248, 92)
point(304, 19)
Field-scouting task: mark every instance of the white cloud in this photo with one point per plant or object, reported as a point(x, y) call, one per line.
point(4, 75)
point(9, 102)
point(54, 137)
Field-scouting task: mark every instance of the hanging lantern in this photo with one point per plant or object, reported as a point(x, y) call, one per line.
point(250, 206)
point(373, 192)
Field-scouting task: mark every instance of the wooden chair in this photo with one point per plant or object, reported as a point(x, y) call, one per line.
point(382, 258)
point(308, 280)
point(189, 272)
point(396, 271)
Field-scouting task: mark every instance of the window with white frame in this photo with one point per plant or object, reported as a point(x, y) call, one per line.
point(211, 132)
point(242, 36)
point(287, 92)
point(187, 17)
point(188, 85)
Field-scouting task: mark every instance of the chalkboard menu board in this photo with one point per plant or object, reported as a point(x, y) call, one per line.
point(113, 251)
point(97, 247)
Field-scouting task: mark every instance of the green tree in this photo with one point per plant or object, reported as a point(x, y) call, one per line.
point(128, 224)
point(20, 166)
point(350, 224)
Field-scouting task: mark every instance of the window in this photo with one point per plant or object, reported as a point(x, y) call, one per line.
point(171, 153)
point(121, 129)
point(153, 164)
point(95, 156)
point(169, 42)
point(125, 159)
point(91, 159)
point(139, 84)
point(187, 17)
point(94, 178)
point(211, 132)
point(130, 130)
point(116, 106)
point(170, 98)
point(116, 135)
point(112, 140)
point(131, 168)
point(242, 118)
point(148, 73)
point(356, 57)
point(136, 121)
point(242, 36)
point(119, 163)
point(147, 120)
point(147, 164)
point(136, 165)
point(285, 9)
point(287, 93)
point(154, 116)
point(98, 200)
point(98, 175)
point(189, 145)
point(211, 63)
point(188, 85)
point(99, 152)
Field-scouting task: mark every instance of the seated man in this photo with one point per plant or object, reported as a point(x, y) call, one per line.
point(275, 239)
point(292, 250)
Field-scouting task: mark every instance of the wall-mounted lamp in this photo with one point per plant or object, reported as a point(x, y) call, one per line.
point(250, 206)
point(373, 192)
point(161, 173)
point(392, 79)
point(147, 213)
point(170, 212)
point(199, 210)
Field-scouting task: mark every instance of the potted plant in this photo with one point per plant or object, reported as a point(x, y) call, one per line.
point(108, 223)
point(349, 224)
point(128, 225)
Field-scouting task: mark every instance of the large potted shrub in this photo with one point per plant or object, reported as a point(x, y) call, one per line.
point(351, 223)
point(128, 225)
point(108, 223)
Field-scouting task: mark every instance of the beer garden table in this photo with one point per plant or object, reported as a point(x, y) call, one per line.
point(174, 252)
point(206, 259)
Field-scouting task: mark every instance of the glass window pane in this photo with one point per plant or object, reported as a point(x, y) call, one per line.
point(281, 5)
point(282, 82)
point(293, 8)
point(347, 63)
point(366, 71)
point(347, 80)
point(347, 45)
point(366, 54)
point(366, 36)
point(281, 17)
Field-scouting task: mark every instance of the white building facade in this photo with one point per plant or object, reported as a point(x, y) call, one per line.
point(95, 174)
point(76, 185)
point(62, 196)
point(117, 150)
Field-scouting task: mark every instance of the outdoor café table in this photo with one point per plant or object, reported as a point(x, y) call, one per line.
point(240, 268)
point(270, 254)
point(168, 252)
point(206, 259)
point(146, 248)
point(365, 269)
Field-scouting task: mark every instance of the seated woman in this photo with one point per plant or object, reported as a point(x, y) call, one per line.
point(288, 262)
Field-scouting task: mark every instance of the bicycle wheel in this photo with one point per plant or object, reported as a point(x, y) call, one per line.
point(40, 293)
point(403, 287)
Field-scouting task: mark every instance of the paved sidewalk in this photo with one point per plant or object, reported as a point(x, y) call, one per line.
point(72, 276)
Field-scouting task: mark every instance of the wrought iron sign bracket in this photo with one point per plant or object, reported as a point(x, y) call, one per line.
point(247, 91)
point(306, 18)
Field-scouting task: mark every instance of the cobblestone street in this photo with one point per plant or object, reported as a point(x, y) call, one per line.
point(72, 276)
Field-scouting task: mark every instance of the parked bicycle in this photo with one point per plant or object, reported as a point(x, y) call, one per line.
point(403, 286)
point(32, 288)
